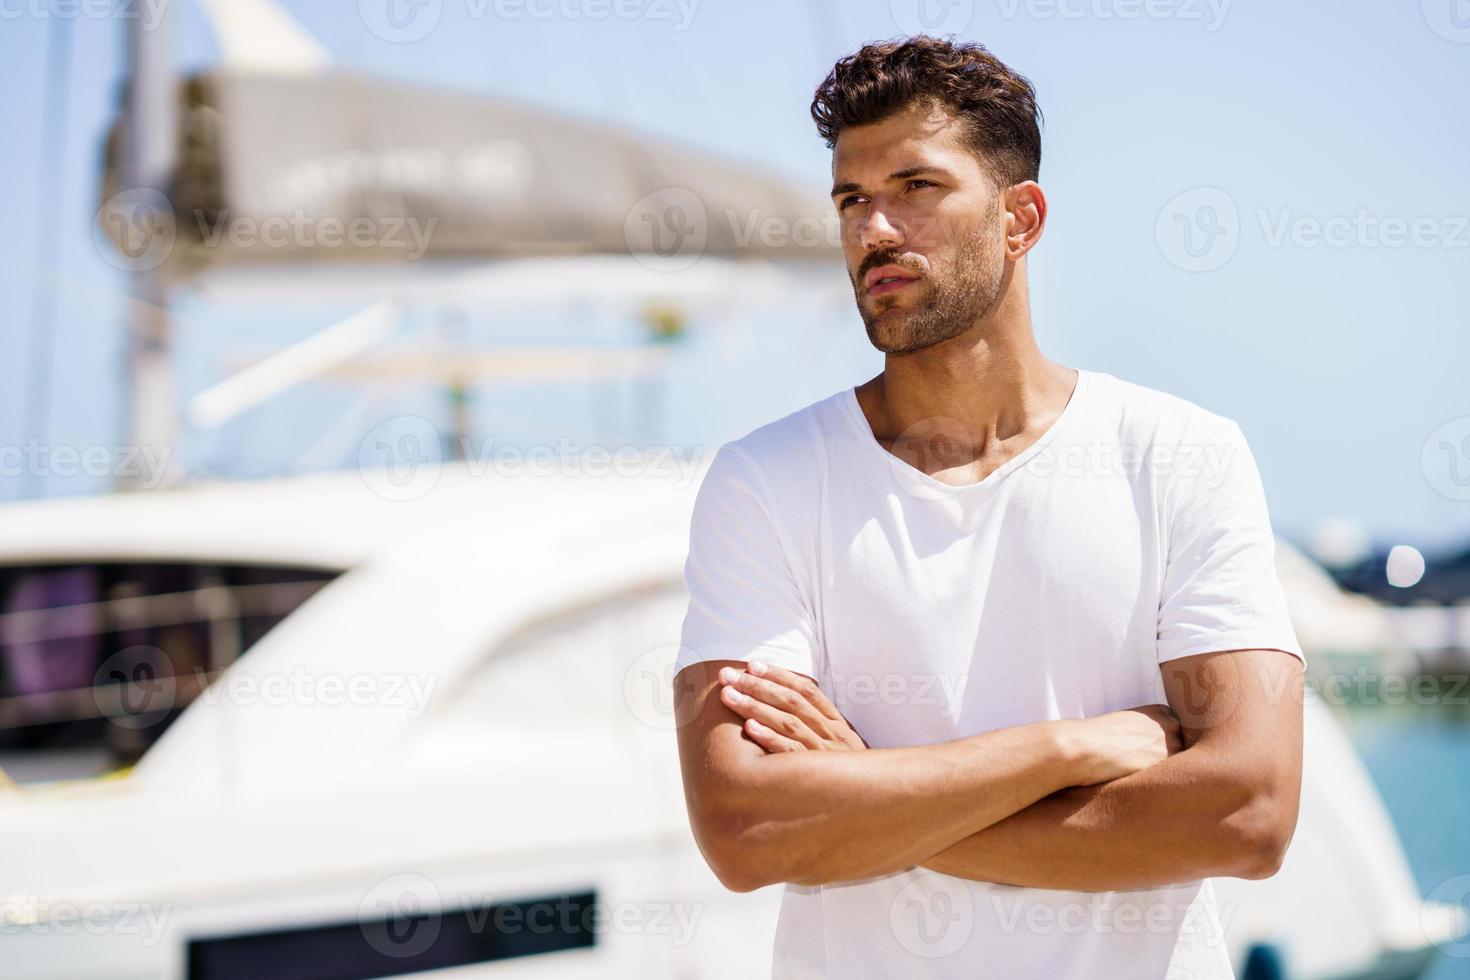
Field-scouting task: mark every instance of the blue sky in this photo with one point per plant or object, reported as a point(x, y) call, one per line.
point(1327, 142)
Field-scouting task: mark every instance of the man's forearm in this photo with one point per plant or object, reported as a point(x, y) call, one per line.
point(820, 817)
point(1191, 816)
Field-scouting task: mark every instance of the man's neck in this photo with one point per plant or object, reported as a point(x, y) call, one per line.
point(968, 402)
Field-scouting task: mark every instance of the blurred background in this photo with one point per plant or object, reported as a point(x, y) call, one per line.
point(357, 368)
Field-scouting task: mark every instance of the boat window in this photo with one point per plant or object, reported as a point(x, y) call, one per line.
point(96, 659)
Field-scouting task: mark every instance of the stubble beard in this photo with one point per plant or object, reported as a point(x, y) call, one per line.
point(954, 304)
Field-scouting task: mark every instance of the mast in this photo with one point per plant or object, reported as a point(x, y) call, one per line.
point(148, 158)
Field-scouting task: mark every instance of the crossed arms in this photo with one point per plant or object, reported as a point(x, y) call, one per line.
point(781, 789)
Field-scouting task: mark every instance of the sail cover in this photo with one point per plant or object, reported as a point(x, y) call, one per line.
point(281, 167)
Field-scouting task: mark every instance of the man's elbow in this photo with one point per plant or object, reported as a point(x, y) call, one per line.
point(735, 848)
point(1258, 835)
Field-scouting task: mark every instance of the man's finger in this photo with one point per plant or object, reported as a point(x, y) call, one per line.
point(777, 696)
point(800, 683)
point(773, 718)
point(769, 740)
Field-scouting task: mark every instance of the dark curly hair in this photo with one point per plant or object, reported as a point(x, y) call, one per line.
point(885, 77)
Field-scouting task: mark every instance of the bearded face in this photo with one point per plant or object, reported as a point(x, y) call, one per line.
point(956, 285)
point(924, 222)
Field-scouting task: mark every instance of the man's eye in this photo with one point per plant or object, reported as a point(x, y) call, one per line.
point(920, 180)
point(850, 199)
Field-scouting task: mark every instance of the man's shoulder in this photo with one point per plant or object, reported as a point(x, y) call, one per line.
point(792, 438)
point(1147, 416)
point(785, 455)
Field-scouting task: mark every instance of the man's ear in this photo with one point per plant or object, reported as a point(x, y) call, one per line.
point(1025, 207)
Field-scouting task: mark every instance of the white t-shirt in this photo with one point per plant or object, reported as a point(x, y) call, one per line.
point(1132, 532)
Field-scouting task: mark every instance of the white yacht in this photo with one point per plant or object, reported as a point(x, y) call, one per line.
point(433, 736)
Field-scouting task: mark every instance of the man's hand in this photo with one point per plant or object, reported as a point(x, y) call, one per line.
point(1120, 743)
point(785, 711)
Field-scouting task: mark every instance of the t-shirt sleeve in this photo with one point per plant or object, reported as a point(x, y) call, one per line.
point(744, 599)
point(1221, 591)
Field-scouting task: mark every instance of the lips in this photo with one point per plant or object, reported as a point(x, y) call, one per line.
point(883, 287)
point(886, 279)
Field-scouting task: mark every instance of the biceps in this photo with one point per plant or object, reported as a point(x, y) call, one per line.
point(1242, 706)
point(714, 756)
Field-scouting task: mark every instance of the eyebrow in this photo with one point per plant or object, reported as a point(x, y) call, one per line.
point(848, 187)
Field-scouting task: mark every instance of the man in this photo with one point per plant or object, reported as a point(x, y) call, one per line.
point(931, 618)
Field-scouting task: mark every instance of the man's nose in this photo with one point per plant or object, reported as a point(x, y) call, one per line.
point(877, 231)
